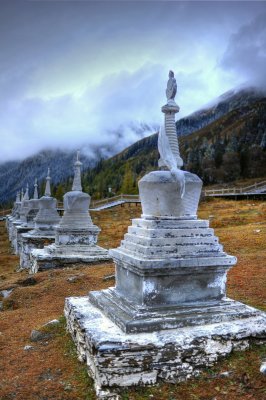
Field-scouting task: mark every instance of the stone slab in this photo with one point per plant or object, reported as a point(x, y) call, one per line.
point(164, 266)
point(51, 257)
point(117, 359)
point(170, 223)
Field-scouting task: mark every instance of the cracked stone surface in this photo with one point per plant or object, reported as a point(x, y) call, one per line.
point(115, 358)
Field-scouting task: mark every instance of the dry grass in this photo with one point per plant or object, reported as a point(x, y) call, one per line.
point(51, 371)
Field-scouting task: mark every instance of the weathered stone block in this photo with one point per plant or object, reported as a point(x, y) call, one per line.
point(54, 256)
point(117, 359)
point(19, 230)
point(29, 242)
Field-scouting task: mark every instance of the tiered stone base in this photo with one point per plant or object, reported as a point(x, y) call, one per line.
point(19, 230)
point(133, 318)
point(170, 272)
point(117, 359)
point(30, 242)
point(54, 256)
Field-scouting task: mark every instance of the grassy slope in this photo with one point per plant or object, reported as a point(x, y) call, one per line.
point(51, 370)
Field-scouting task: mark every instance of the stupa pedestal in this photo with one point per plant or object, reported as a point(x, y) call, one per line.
point(19, 230)
point(43, 233)
point(25, 223)
point(75, 237)
point(19, 220)
point(14, 215)
point(10, 223)
point(31, 241)
point(22, 228)
point(116, 359)
point(168, 315)
point(15, 218)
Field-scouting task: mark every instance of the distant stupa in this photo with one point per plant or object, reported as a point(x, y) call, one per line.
point(75, 236)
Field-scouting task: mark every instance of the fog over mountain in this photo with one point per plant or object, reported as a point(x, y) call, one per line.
point(94, 73)
point(242, 108)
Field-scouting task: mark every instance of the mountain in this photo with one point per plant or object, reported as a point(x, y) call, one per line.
point(224, 141)
point(219, 107)
point(16, 175)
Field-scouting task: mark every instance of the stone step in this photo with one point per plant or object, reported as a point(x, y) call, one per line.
point(133, 318)
point(164, 264)
point(175, 251)
point(170, 233)
point(173, 223)
point(75, 250)
point(171, 241)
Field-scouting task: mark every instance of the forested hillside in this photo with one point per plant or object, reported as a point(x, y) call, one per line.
point(233, 147)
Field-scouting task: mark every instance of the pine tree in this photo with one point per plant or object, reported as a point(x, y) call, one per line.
point(59, 193)
point(128, 181)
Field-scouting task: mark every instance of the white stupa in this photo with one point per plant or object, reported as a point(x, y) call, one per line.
point(168, 314)
point(44, 227)
point(76, 235)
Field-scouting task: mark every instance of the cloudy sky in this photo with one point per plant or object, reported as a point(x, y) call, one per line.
point(77, 73)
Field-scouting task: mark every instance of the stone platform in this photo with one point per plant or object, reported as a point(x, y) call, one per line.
point(54, 256)
point(133, 318)
point(19, 230)
point(117, 359)
point(29, 242)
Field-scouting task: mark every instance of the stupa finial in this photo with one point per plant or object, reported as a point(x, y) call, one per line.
point(77, 177)
point(48, 185)
point(171, 86)
point(35, 195)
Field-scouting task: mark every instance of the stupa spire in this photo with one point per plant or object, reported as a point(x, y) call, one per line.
point(48, 185)
point(22, 194)
point(77, 177)
point(35, 195)
point(18, 197)
point(26, 195)
point(168, 142)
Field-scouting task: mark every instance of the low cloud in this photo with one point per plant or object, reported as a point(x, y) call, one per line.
point(246, 52)
point(123, 108)
point(93, 74)
point(108, 116)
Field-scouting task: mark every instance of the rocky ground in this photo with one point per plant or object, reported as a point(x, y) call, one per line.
point(42, 365)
